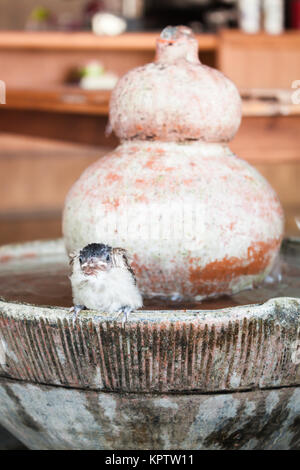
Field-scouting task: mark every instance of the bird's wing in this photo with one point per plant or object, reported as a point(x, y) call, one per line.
point(72, 257)
point(122, 259)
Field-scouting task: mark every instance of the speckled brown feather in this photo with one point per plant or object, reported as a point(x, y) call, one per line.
point(121, 259)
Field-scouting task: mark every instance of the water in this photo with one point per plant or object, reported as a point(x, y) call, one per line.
point(44, 281)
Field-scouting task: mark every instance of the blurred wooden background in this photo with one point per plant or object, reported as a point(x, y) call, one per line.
point(50, 131)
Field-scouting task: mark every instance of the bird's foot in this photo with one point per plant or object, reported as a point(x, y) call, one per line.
point(75, 310)
point(125, 311)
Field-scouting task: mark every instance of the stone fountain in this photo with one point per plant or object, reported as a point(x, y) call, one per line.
point(212, 360)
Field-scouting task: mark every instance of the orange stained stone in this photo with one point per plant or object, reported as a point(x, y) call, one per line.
point(5, 259)
point(113, 203)
point(188, 181)
point(29, 255)
point(170, 168)
point(150, 163)
point(142, 198)
point(217, 275)
point(111, 177)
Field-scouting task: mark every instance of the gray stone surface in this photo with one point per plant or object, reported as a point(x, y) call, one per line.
point(46, 417)
point(9, 442)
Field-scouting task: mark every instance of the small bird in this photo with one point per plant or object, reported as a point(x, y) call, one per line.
point(102, 279)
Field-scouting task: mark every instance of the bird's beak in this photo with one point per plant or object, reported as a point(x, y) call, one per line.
point(93, 266)
point(101, 265)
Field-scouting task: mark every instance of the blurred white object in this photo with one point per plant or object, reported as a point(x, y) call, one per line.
point(273, 16)
point(94, 77)
point(108, 24)
point(250, 15)
point(297, 220)
point(132, 8)
point(106, 82)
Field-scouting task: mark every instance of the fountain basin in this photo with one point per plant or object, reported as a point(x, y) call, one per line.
point(170, 378)
point(46, 417)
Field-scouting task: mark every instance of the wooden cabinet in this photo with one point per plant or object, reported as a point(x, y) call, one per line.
point(260, 60)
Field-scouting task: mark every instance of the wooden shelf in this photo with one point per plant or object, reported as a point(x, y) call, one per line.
point(287, 40)
point(260, 60)
point(66, 99)
point(135, 41)
point(72, 99)
point(256, 107)
point(138, 41)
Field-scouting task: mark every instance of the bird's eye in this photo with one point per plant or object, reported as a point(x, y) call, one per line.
point(80, 259)
point(107, 258)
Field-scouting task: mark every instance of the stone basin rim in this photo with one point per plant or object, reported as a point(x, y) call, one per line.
point(229, 349)
point(273, 308)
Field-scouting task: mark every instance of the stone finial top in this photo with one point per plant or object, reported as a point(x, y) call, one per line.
point(175, 43)
point(175, 98)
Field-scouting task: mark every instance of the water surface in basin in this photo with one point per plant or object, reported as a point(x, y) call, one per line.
point(44, 281)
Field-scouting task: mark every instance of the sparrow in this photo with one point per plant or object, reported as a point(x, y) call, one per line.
point(102, 279)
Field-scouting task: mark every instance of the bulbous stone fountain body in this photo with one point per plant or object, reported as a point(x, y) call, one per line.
point(198, 220)
point(217, 374)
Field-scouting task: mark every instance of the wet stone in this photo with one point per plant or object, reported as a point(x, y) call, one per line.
point(45, 282)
